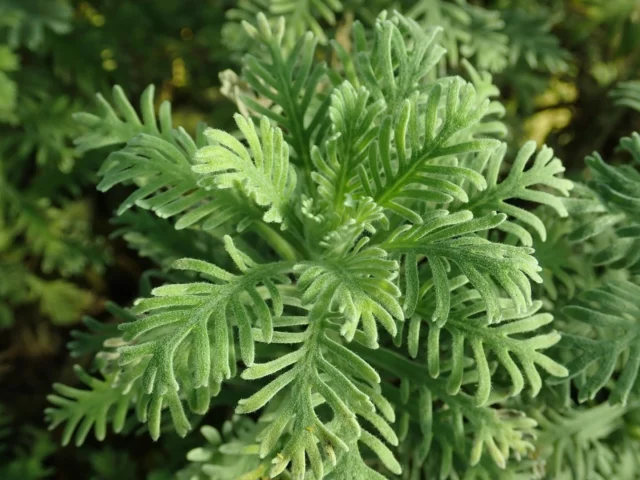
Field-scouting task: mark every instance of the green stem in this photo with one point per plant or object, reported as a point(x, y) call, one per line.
point(295, 117)
point(412, 166)
point(277, 242)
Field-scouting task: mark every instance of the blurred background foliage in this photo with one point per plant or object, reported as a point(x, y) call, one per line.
point(567, 72)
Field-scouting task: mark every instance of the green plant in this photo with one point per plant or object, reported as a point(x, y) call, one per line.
point(363, 195)
point(355, 189)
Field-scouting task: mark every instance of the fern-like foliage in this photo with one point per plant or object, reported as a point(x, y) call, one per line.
point(109, 126)
point(300, 17)
point(27, 22)
point(611, 313)
point(530, 41)
point(315, 379)
point(154, 237)
point(359, 286)
point(30, 456)
point(371, 59)
point(420, 149)
point(84, 410)
point(288, 86)
point(94, 341)
point(574, 444)
point(598, 345)
point(517, 186)
point(156, 155)
point(494, 40)
point(468, 31)
point(58, 236)
point(627, 94)
point(160, 334)
point(613, 221)
point(159, 160)
point(360, 196)
point(266, 174)
point(619, 186)
point(229, 452)
point(149, 149)
point(451, 238)
point(505, 341)
point(564, 271)
point(448, 432)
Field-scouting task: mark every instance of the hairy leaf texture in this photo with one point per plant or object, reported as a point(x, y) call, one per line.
point(359, 286)
point(396, 63)
point(198, 317)
point(107, 400)
point(289, 85)
point(265, 174)
point(361, 195)
point(467, 326)
point(491, 124)
point(353, 129)
point(447, 240)
point(322, 372)
point(611, 344)
point(159, 160)
point(409, 173)
point(451, 423)
point(500, 194)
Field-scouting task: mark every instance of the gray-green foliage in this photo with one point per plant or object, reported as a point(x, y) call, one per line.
point(600, 346)
point(627, 94)
point(368, 295)
point(588, 419)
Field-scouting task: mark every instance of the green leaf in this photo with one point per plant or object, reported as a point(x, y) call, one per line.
point(619, 186)
point(397, 178)
point(106, 401)
point(468, 325)
point(359, 286)
point(320, 372)
point(611, 348)
point(452, 239)
point(291, 86)
point(627, 94)
point(196, 319)
point(518, 186)
point(398, 59)
point(310, 15)
point(353, 128)
point(117, 126)
point(449, 424)
point(265, 174)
